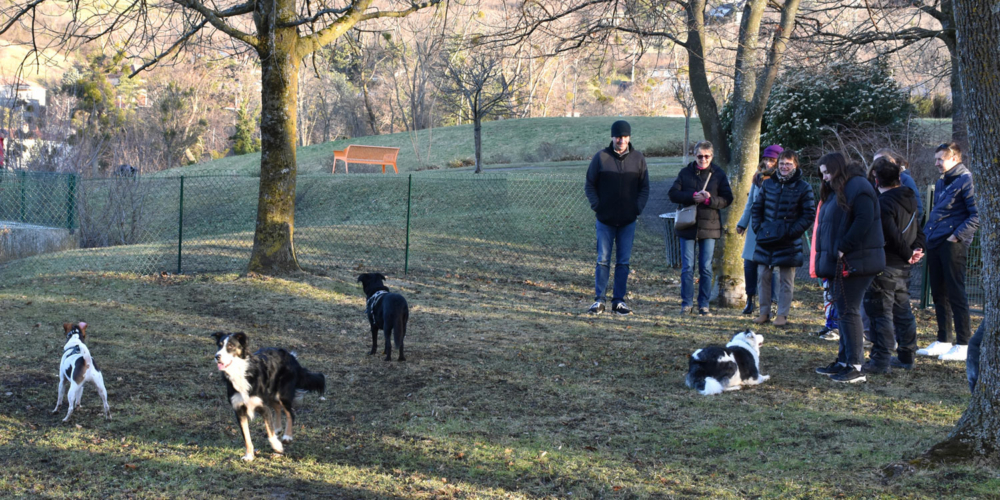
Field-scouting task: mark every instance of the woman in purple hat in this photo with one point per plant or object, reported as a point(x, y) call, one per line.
point(764, 171)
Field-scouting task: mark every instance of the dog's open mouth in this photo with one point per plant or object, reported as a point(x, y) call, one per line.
point(223, 366)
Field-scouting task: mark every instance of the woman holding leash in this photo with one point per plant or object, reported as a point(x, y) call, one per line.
point(850, 251)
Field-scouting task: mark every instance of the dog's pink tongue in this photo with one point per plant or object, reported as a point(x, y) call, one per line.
point(221, 366)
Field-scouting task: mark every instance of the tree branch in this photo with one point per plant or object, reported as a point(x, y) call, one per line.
point(215, 18)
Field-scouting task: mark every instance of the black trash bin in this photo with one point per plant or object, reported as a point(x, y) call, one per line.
point(670, 240)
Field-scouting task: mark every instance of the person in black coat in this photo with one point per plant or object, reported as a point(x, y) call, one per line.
point(887, 300)
point(850, 251)
point(783, 211)
point(704, 184)
point(617, 188)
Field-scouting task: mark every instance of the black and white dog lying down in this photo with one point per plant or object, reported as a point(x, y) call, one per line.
point(270, 380)
point(386, 311)
point(715, 369)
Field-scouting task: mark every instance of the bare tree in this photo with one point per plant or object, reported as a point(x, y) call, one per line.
point(483, 79)
point(280, 32)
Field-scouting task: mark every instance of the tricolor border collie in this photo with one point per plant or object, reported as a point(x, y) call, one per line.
point(715, 369)
point(77, 366)
point(270, 380)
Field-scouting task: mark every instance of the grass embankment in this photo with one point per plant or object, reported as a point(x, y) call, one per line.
point(535, 142)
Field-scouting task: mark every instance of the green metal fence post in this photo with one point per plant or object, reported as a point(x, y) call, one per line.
point(24, 180)
point(180, 225)
point(71, 201)
point(409, 190)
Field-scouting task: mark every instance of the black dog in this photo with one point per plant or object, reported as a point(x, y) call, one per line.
point(385, 310)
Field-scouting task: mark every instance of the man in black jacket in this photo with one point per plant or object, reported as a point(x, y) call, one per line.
point(617, 188)
point(887, 300)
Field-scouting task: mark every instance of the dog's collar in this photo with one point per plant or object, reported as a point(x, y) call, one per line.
point(75, 349)
point(372, 302)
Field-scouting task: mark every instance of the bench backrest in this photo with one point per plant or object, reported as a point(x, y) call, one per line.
point(371, 152)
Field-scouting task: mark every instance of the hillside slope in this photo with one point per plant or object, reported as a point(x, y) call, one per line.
point(505, 143)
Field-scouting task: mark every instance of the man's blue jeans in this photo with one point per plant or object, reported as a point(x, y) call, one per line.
point(972, 358)
point(706, 250)
point(621, 238)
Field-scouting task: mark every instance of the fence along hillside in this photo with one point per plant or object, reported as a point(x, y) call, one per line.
point(506, 226)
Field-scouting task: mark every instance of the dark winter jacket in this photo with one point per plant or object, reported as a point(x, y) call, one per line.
point(857, 233)
point(898, 207)
point(788, 204)
point(690, 180)
point(617, 186)
point(954, 211)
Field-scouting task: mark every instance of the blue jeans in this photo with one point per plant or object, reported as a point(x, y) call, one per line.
point(972, 359)
point(706, 250)
point(621, 238)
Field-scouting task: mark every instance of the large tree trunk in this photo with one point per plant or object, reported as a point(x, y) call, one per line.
point(273, 251)
point(753, 86)
point(708, 109)
point(977, 434)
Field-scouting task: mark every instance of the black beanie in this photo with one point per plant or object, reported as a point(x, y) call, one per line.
point(621, 128)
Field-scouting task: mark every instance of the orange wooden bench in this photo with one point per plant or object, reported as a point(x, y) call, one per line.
point(373, 155)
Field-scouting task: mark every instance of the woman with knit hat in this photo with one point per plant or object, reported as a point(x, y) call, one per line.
point(764, 171)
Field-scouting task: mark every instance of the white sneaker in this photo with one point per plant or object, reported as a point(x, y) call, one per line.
point(935, 349)
point(957, 353)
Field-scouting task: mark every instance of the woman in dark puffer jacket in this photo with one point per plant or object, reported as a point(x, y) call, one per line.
point(850, 251)
point(782, 212)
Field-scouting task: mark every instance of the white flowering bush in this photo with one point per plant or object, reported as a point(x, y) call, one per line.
point(843, 95)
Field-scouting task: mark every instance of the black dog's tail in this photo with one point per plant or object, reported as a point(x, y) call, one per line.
point(311, 382)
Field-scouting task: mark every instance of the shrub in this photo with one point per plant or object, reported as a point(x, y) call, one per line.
point(670, 148)
point(807, 102)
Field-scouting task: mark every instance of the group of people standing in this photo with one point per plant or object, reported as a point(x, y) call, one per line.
point(866, 235)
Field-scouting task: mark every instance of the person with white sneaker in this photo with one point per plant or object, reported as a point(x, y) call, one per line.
point(617, 187)
point(951, 225)
point(850, 251)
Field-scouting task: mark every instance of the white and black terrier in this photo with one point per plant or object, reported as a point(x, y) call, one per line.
point(715, 369)
point(387, 311)
point(77, 366)
point(270, 380)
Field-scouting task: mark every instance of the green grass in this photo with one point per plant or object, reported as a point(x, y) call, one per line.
point(506, 143)
point(509, 391)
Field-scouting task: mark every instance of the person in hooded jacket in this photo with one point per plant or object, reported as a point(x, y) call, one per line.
point(950, 228)
point(704, 184)
point(617, 187)
point(887, 300)
point(783, 211)
point(850, 251)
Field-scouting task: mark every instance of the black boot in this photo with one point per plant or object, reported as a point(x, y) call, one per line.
point(751, 305)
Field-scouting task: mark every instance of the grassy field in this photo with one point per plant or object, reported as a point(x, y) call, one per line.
point(506, 143)
point(509, 391)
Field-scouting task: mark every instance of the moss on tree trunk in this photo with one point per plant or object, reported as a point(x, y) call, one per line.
point(273, 248)
point(976, 436)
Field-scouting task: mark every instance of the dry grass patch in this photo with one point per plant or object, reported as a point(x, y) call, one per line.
point(509, 391)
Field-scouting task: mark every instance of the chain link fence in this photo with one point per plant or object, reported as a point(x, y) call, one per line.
point(510, 225)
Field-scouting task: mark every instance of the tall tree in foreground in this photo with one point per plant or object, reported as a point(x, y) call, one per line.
point(280, 32)
point(977, 434)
